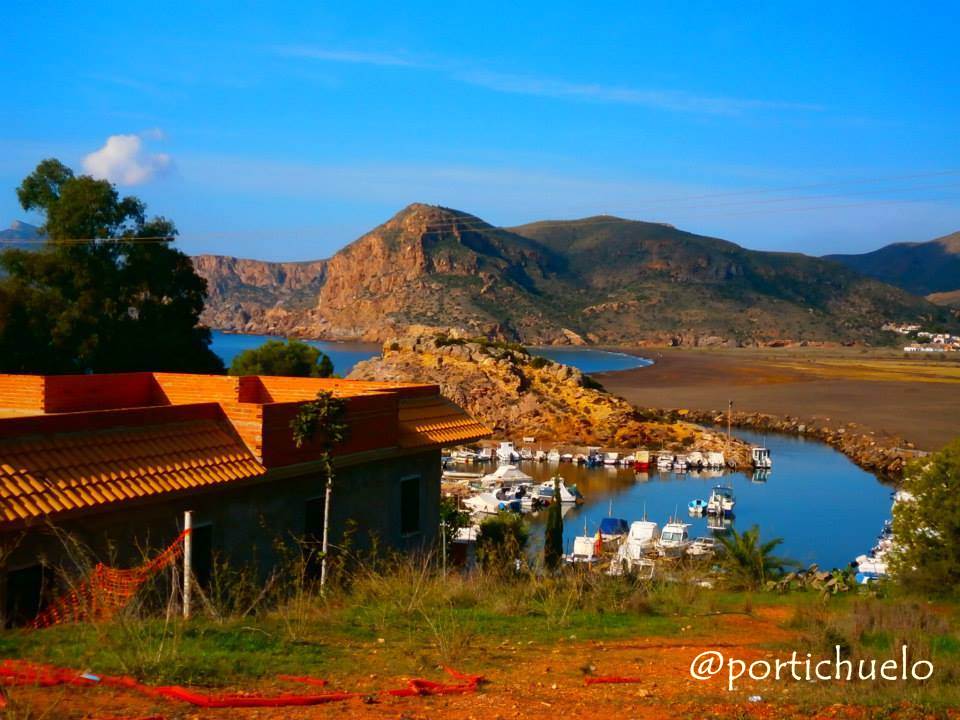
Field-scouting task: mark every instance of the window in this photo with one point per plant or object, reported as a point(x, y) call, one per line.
point(410, 505)
point(201, 557)
point(25, 589)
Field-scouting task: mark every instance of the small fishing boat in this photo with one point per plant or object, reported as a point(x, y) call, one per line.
point(628, 461)
point(641, 460)
point(702, 547)
point(611, 458)
point(540, 456)
point(506, 453)
point(587, 549)
point(664, 463)
point(760, 456)
point(594, 456)
point(505, 476)
point(697, 506)
point(566, 457)
point(580, 459)
point(716, 461)
point(634, 552)
point(613, 529)
point(679, 464)
point(674, 539)
point(488, 503)
point(553, 456)
point(721, 501)
point(463, 455)
point(485, 455)
point(568, 493)
point(526, 454)
point(695, 460)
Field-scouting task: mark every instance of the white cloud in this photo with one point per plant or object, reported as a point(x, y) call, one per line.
point(356, 57)
point(124, 159)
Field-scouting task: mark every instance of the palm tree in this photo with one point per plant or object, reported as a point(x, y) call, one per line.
point(748, 562)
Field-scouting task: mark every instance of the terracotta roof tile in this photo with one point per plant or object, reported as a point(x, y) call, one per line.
point(79, 470)
point(437, 421)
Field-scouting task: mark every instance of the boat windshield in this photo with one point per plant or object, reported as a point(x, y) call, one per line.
point(672, 536)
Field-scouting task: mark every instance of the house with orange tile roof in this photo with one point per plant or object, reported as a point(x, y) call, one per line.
point(114, 460)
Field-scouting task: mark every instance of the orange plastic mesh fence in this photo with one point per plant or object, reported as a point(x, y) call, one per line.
point(107, 590)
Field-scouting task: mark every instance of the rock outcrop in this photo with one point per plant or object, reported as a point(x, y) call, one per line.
point(520, 395)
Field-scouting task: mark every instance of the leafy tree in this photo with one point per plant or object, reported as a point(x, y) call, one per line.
point(106, 293)
point(452, 518)
point(926, 557)
point(275, 357)
point(501, 540)
point(748, 562)
point(553, 533)
point(322, 420)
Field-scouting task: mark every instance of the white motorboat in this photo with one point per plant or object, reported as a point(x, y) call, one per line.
point(566, 457)
point(611, 458)
point(485, 455)
point(721, 500)
point(586, 550)
point(641, 541)
point(702, 546)
point(696, 460)
point(679, 464)
point(463, 455)
point(487, 503)
point(760, 456)
point(526, 454)
point(664, 463)
point(674, 539)
point(540, 456)
point(506, 453)
point(716, 461)
point(505, 476)
point(553, 456)
point(460, 476)
point(568, 493)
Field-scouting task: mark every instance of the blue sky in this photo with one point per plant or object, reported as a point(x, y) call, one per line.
point(285, 130)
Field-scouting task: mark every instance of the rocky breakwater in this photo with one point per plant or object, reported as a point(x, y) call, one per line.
point(518, 395)
point(878, 453)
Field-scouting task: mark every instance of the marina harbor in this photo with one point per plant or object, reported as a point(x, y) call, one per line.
point(827, 510)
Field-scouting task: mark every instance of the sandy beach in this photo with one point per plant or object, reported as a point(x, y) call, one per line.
point(914, 398)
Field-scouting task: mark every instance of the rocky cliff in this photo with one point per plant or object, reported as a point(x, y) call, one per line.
point(600, 280)
point(519, 395)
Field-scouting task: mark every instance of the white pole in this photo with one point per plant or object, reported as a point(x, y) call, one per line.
point(187, 561)
point(326, 534)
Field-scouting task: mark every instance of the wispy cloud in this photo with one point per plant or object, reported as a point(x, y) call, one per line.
point(675, 100)
point(353, 57)
point(537, 86)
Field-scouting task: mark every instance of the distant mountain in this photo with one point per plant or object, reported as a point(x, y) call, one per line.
point(19, 235)
point(924, 268)
point(600, 280)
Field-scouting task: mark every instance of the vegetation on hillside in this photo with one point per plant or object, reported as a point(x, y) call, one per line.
point(107, 292)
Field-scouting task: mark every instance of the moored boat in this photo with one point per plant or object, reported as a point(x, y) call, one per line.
point(674, 539)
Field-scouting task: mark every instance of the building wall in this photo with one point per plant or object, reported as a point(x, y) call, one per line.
point(246, 521)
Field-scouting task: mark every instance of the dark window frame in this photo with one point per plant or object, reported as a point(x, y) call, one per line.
point(407, 529)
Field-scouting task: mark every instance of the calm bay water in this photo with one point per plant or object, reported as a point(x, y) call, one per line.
point(826, 509)
point(347, 354)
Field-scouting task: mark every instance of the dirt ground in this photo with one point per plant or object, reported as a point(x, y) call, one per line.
point(919, 401)
point(523, 681)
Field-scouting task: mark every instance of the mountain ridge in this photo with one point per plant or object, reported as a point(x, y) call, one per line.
point(930, 268)
point(602, 280)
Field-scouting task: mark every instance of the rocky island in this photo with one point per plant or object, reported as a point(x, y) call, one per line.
point(520, 395)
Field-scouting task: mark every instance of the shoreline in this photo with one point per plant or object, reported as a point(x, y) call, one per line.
point(877, 408)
